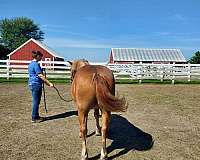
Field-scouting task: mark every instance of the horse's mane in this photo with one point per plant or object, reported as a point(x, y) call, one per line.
point(76, 65)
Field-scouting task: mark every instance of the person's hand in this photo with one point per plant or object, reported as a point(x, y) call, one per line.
point(51, 84)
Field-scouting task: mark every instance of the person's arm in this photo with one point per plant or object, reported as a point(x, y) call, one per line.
point(38, 71)
point(45, 80)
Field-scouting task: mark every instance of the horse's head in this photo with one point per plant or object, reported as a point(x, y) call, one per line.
point(76, 65)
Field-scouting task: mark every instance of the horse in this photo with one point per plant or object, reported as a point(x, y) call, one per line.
point(93, 87)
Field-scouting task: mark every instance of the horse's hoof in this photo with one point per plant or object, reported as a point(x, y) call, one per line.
point(80, 135)
point(104, 158)
point(97, 133)
point(85, 157)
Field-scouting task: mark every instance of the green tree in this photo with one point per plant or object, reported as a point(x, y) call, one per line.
point(195, 59)
point(3, 52)
point(14, 32)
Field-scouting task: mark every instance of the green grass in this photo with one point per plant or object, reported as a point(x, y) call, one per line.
point(25, 80)
point(150, 81)
point(125, 81)
point(13, 80)
point(186, 82)
point(146, 81)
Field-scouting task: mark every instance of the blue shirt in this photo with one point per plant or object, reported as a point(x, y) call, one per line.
point(34, 69)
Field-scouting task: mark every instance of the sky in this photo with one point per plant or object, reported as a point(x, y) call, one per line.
point(90, 28)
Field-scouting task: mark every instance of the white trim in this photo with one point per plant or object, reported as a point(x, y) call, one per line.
point(39, 44)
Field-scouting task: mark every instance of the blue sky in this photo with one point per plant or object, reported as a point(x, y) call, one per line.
point(89, 28)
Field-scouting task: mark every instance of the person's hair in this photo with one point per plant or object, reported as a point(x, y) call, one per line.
point(36, 53)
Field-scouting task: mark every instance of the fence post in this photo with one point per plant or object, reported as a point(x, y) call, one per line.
point(189, 72)
point(8, 69)
point(173, 74)
point(162, 75)
point(140, 73)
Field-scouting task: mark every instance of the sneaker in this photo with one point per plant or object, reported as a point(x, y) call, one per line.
point(38, 120)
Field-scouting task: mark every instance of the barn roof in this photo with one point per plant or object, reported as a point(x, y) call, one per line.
point(145, 54)
point(42, 45)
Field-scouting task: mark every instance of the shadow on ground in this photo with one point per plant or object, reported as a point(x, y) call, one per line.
point(62, 115)
point(124, 135)
point(127, 137)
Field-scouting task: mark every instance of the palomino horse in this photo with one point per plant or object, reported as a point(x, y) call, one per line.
point(93, 87)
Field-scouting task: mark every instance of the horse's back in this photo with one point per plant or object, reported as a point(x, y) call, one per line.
point(87, 72)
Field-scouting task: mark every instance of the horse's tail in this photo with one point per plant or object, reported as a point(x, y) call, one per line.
point(106, 98)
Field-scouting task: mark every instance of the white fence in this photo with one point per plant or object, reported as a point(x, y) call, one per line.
point(58, 70)
point(19, 69)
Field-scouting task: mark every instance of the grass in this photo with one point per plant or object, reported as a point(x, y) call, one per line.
point(123, 81)
point(25, 80)
point(151, 81)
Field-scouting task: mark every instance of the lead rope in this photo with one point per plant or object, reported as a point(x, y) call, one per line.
point(61, 96)
point(44, 95)
point(56, 91)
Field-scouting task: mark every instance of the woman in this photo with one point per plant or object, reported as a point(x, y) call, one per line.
point(36, 78)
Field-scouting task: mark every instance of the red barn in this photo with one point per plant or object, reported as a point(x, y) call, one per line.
point(24, 52)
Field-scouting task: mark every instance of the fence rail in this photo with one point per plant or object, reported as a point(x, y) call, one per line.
point(58, 69)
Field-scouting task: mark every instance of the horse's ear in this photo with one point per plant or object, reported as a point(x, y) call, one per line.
point(69, 62)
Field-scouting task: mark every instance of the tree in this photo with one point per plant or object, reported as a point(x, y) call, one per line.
point(14, 32)
point(3, 52)
point(195, 59)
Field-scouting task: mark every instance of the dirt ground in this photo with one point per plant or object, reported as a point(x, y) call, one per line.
point(168, 115)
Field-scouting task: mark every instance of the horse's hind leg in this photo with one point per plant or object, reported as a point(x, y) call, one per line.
point(82, 115)
point(104, 130)
point(98, 128)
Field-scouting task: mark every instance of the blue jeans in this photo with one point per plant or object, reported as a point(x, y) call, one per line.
point(36, 90)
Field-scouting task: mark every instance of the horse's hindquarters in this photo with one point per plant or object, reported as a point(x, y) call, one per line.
point(84, 91)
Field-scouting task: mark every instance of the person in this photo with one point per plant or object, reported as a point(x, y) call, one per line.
point(36, 78)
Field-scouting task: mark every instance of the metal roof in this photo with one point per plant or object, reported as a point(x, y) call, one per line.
point(145, 54)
